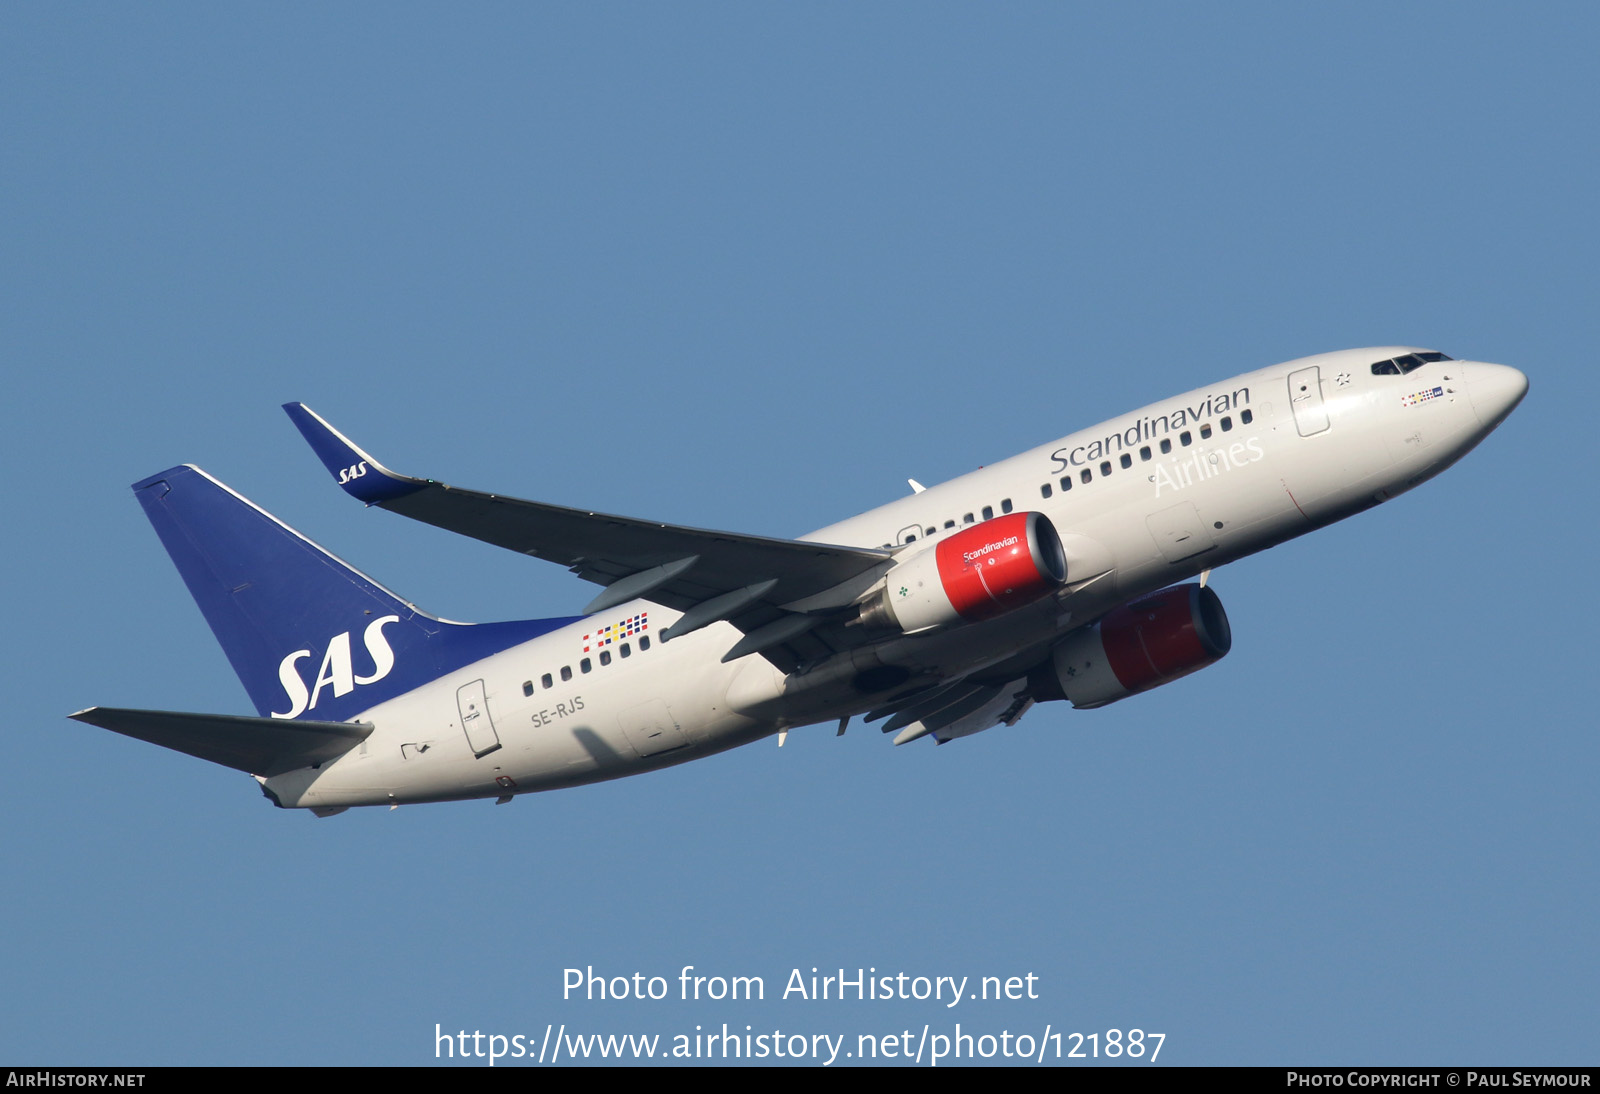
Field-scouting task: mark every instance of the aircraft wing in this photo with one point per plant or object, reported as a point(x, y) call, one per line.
point(772, 586)
point(958, 708)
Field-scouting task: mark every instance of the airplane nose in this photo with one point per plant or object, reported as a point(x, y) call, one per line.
point(1495, 391)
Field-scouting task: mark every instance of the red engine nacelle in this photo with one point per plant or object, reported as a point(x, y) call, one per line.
point(1141, 645)
point(977, 573)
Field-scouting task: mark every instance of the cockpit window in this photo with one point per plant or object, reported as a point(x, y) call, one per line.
point(1399, 366)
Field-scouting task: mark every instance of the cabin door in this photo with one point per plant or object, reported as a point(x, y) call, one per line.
point(475, 720)
point(1305, 395)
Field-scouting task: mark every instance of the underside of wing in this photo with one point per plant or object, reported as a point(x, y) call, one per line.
point(256, 746)
point(957, 709)
point(785, 595)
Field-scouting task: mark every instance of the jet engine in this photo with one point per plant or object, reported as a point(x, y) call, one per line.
point(1141, 645)
point(977, 573)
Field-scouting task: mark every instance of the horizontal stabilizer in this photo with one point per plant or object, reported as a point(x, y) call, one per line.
point(256, 746)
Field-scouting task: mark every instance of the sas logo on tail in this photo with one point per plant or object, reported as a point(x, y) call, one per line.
point(337, 671)
point(350, 474)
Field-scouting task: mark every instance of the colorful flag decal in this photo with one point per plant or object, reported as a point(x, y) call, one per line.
point(615, 632)
point(1422, 396)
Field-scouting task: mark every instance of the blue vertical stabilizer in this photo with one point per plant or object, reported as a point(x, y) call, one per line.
point(307, 634)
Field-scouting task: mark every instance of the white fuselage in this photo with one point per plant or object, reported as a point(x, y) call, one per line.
point(1141, 501)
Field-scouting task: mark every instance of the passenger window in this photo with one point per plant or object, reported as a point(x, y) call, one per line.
point(527, 687)
point(546, 681)
point(1105, 468)
point(932, 531)
point(1205, 432)
point(1066, 482)
point(1246, 417)
point(949, 524)
point(644, 643)
point(1227, 424)
point(966, 518)
point(1005, 505)
point(605, 657)
point(566, 673)
point(1166, 446)
point(1126, 461)
point(1084, 476)
point(1185, 439)
point(624, 650)
point(1144, 453)
point(584, 665)
point(1045, 491)
point(988, 512)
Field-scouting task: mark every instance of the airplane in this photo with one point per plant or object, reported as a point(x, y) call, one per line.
point(1060, 574)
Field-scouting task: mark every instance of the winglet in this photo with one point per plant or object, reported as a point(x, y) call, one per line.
point(361, 476)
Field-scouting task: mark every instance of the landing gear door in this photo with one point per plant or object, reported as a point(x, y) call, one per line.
point(475, 720)
point(1305, 396)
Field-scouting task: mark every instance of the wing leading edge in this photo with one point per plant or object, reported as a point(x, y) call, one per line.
point(780, 592)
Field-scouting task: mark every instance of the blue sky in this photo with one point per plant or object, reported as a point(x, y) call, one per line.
point(752, 266)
